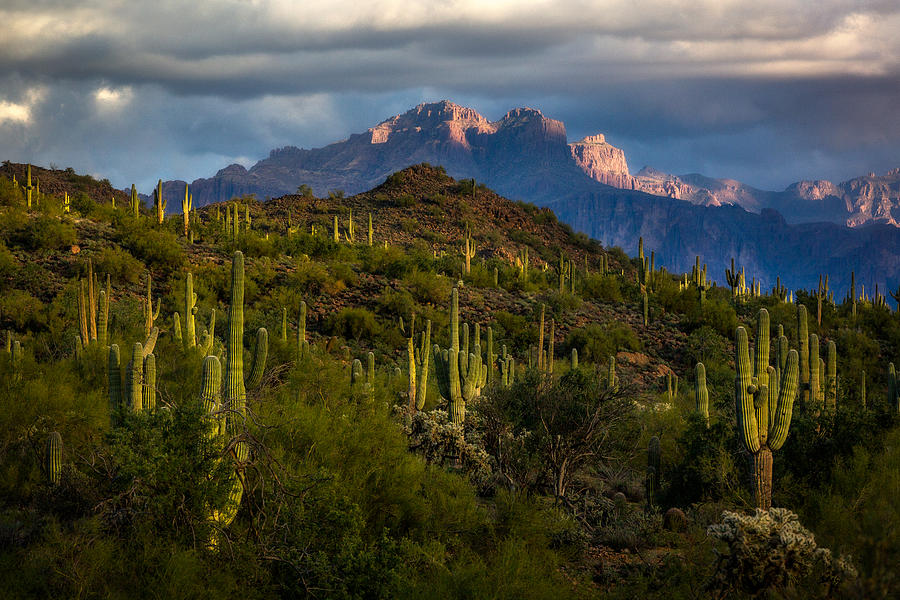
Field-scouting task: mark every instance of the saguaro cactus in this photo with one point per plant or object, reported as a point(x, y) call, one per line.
point(803, 341)
point(763, 405)
point(28, 188)
point(135, 202)
point(419, 358)
point(114, 376)
point(190, 312)
point(187, 204)
point(53, 458)
point(148, 388)
point(460, 374)
point(160, 204)
point(235, 398)
point(302, 344)
point(612, 380)
point(831, 377)
point(701, 395)
point(653, 469)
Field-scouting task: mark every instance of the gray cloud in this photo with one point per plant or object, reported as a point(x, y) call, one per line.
point(768, 92)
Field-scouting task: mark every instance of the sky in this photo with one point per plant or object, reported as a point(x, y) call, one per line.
point(767, 92)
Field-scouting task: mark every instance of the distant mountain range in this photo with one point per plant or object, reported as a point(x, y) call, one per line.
point(527, 156)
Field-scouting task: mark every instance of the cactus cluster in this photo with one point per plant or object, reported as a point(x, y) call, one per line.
point(818, 376)
point(363, 381)
point(419, 358)
point(93, 311)
point(460, 374)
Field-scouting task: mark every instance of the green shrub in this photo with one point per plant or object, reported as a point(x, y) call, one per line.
point(158, 249)
point(603, 288)
point(598, 342)
point(353, 323)
point(46, 234)
point(121, 266)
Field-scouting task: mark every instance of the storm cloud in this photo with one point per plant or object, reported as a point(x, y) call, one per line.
point(767, 92)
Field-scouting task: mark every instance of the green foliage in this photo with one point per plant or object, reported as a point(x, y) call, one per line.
point(121, 266)
point(603, 288)
point(157, 248)
point(597, 342)
point(45, 234)
point(353, 323)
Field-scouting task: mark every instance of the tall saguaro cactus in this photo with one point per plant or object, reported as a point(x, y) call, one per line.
point(419, 358)
point(160, 204)
point(53, 458)
point(190, 312)
point(460, 375)
point(235, 397)
point(763, 405)
point(187, 204)
point(803, 341)
point(701, 394)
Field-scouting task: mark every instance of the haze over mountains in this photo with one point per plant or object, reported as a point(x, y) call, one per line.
point(527, 156)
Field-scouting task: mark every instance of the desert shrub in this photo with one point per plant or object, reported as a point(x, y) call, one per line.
point(597, 342)
point(158, 249)
point(344, 273)
point(770, 551)
point(353, 323)
point(405, 201)
point(392, 262)
point(121, 266)
point(313, 278)
point(600, 287)
point(709, 464)
point(23, 309)
point(46, 234)
point(10, 194)
point(83, 203)
point(428, 288)
point(559, 304)
point(706, 345)
point(394, 304)
point(544, 433)
point(717, 314)
point(515, 330)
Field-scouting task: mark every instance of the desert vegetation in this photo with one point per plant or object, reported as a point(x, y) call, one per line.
point(422, 391)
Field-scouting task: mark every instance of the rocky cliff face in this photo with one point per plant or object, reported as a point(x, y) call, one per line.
point(603, 162)
point(526, 156)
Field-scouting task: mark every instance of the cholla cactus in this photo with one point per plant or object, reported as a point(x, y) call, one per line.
point(769, 550)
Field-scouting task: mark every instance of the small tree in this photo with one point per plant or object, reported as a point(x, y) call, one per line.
point(546, 432)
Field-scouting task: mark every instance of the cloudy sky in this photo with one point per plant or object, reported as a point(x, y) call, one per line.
point(768, 92)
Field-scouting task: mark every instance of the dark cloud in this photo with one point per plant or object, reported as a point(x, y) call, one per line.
point(768, 92)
